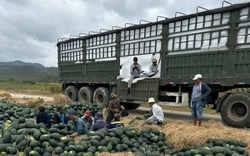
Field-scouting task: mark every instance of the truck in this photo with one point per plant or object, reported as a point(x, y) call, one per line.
point(214, 43)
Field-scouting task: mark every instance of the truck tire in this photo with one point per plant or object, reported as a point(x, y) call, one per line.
point(85, 95)
point(72, 92)
point(235, 110)
point(131, 105)
point(101, 96)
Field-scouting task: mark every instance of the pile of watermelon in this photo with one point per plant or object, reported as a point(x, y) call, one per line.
point(27, 138)
point(214, 147)
point(11, 111)
point(21, 136)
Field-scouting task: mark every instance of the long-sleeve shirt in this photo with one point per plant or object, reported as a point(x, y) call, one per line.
point(200, 92)
point(114, 105)
point(44, 118)
point(196, 93)
point(89, 120)
point(58, 118)
point(99, 125)
point(157, 112)
point(153, 69)
point(135, 70)
point(80, 127)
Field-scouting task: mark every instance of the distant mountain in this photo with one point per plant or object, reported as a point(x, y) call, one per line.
point(25, 71)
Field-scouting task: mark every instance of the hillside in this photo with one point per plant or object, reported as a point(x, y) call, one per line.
point(24, 71)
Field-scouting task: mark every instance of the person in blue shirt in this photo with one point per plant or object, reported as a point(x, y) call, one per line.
point(116, 122)
point(60, 117)
point(79, 125)
point(43, 117)
point(99, 124)
point(199, 97)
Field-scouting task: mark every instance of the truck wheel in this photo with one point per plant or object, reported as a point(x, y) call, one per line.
point(101, 96)
point(235, 110)
point(131, 105)
point(85, 95)
point(71, 92)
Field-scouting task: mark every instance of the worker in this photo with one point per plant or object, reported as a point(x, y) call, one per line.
point(135, 71)
point(199, 96)
point(60, 117)
point(116, 122)
point(79, 125)
point(99, 124)
point(113, 107)
point(88, 119)
point(153, 69)
point(156, 113)
point(43, 117)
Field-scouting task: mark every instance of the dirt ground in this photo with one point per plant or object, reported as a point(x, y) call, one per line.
point(28, 99)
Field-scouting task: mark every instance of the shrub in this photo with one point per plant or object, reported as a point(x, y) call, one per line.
point(54, 88)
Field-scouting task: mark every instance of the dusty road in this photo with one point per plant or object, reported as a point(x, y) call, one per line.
point(177, 115)
point(45, 98)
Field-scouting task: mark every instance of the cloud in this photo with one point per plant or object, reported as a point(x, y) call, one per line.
point(29, 29)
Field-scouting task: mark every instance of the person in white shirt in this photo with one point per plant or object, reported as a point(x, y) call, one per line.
point(135, 71)
point(156, 113)
point(153, 69)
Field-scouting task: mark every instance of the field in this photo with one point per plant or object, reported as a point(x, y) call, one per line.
point(33, 88)
point(180, 133)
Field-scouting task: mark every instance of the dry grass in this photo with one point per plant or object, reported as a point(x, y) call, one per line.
point(5, 95)
point(79, 138)
point(183, 133)
point(61, 99)
point(23, 100)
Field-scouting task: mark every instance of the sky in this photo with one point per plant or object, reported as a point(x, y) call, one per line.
point(29, 29)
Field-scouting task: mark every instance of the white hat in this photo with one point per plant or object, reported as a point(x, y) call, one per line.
point(151, 100)
point(197, 76)
point(112, 95)
point(154, 60)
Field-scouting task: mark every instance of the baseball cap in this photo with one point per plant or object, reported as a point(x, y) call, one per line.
point(197, 76)
point(99, 115)
point(71, 112)
point(87, 113)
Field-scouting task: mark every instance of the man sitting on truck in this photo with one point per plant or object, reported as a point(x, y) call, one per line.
point(153, 69)
point(135, 71)
point(156, 113)
point(199, 98)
